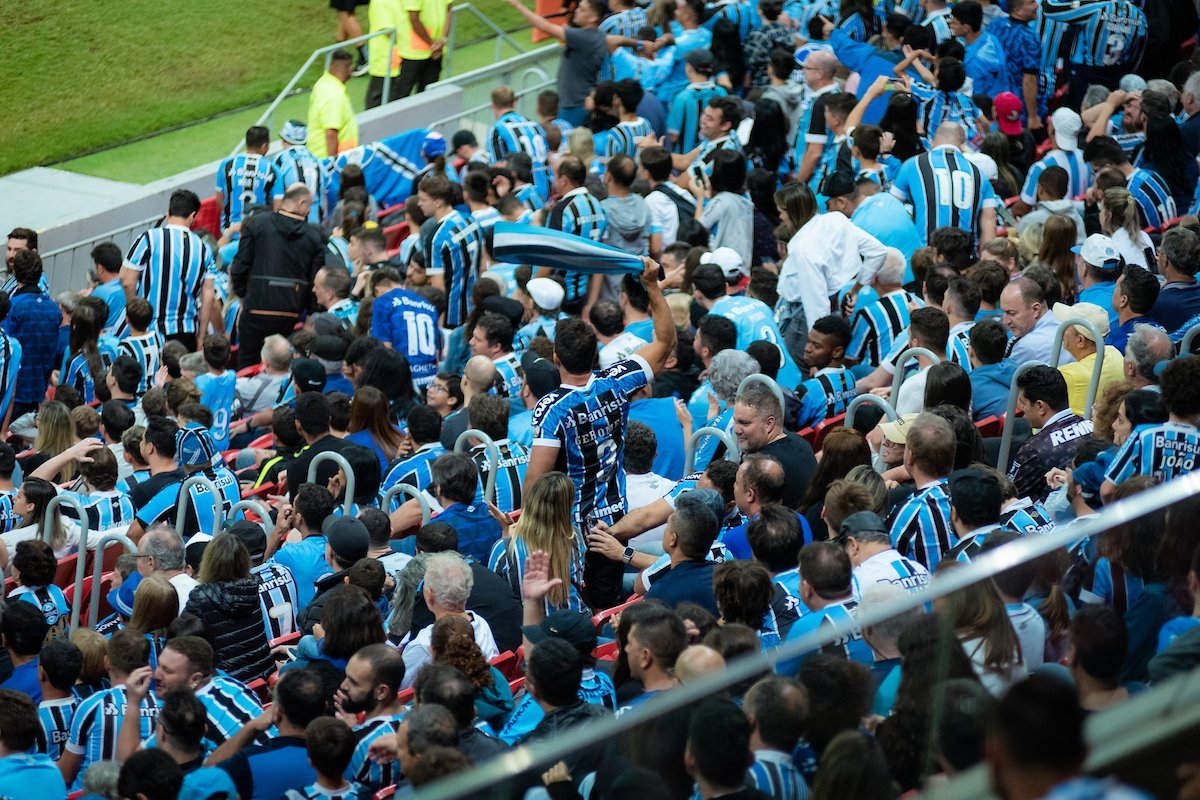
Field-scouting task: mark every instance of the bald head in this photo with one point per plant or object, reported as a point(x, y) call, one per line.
point(696, 662)
point(480, 374)
point(950, 133)
point(824, 65)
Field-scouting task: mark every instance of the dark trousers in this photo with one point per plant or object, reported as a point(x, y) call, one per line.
point(416, 75)
point(375, 91)
point(185, 338)
point(1084, 76)
point(253, 329)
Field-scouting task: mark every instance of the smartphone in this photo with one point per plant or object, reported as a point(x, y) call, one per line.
point(697, 171)
point(1006, 216)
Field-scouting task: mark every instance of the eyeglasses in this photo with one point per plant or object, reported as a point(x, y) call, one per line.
point(437, 386)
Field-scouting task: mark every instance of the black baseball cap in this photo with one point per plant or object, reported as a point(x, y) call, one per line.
point(861, 522)
point(329, 348)
point(837, 184)
point(572, 627)
point(505, 307)
point(463, 137)
point(347, 537)
point(975, 494)
point(252, 535)
point(541, 376)
point(701, 59)
point(308, 375)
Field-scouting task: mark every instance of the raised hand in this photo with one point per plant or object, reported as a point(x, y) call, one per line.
point(538, 583)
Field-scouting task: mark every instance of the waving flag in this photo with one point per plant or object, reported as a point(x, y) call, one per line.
point(514, 243)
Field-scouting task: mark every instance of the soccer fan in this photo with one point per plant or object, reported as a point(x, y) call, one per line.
point(1133, 298)
point(759, 428)
point(975, 501)
point(1179, 297)
point(1149, 190)
point(827, 591)
point(277, 259)
point(877, 326)
point(1170, 449)
point(1042, 399)
point(868, 544)
point(97, 723)
point(1053, 187)
point(490, 414)
point(59, 665)
point(1077, 341)
point(655, 639)
point(512, 132)
point(1109, 38)
point(690, 533)
point(965, 199)
point(493, 337)
point(1028, 318)
point(580, 213)
point(453, 249)
point(247, 179)
point(683, 121)
point(331, 290)
point(23, 771)
point(297, 165)
point(921, 527)
point(303, 554)
point(31, 330)
point(831, 387)
point(161, 552)
point(373, 678)
point(332, 126)
point(406, 322)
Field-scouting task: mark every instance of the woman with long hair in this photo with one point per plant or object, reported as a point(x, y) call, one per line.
point(1119, 220)
point(55, 435)
point(900, 120)
point(1009, 177)
point(1168, 154)
point(352, 188)
point(843, 450)
point(982, 626)
point(227, 601)
point(388, 371)
point(1137, 408)
point(371, 425)
point(349, 622)
point(1059, 235)
point(546, 524)
point(760, 184)
point(155, 607)
point(453, 644)
point(82, 367)
point(948, 384)
point(30, 504)
point(768, 147)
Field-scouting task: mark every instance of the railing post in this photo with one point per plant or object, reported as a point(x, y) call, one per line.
point(758, 377)
point(387, 75)
point(411, 491)
point(868, 399)
point(1185, 346)
point(1056, 354)
point(97, 575)
point(185, 497)
point(1010, 414)
point(81, 561)
point(902, 362)
point(448, 59)
point(264, 513)
point(493, 454)
point(340, 460)
point(689, 453)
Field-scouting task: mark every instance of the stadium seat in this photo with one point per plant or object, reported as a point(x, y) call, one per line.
point(407, 695)
point(261, 689)
point(263, 442)
point(600, 619)
point(258, 491)
point(64, 575)
point(291, 638)
point(250, 371)
point(208, 218)
point(607, 651)
point(9, 585)
point(84, 597)
point(395, 234)
point(384, 793)
point(507, 663)
point(808, 434)
point(991, 426)
point(517, 685)
point(821, 430)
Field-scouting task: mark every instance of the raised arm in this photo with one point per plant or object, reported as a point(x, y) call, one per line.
point(658, 351)
point(541, 23)
point(77, 452)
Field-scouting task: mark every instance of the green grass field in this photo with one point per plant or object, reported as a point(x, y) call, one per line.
point(88, 75)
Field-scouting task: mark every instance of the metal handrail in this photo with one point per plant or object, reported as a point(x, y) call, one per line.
point(264, 513)
point(502, 36)
point(328, 50)
point(1185, 345)
point(758, 377)
point(97, 575)
point(689, 452)
point(1010, 413)
point(1023, 550)
point(185, 497)
point(902, 363)
point(1056, 354)
point(340, 460)
point(493, 455)
point(414, 493)
point(48, 534)
point(868, 399)
point(453, 121)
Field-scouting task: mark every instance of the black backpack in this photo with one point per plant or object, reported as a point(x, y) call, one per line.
point(690, 230)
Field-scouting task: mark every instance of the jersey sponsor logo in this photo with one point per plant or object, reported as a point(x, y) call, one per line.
point(1070, 433)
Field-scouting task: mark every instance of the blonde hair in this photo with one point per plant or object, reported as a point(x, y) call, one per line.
point(547, 524)
point(55, 434)
point(155, 605)
point(92, 646)
point(1122, 212)
point(581, 144)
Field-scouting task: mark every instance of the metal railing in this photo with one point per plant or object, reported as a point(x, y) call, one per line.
point(1056, 354)
point(97, 575)
point(492, 777)
point(758, 377)
point(185, 497)
point(502, 36)
point(347, 470)
point(689, 453)
point(411, 491)
point(461, 445)
point(62, 258)
point(81, 558)
point(902, 363)
point(868, 399)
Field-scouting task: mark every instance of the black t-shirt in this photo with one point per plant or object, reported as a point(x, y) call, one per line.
point(297, 471)
point(799, 466)
point(144, 492)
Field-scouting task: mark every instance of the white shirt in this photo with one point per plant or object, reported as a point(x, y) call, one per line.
point(911, 399)
point(888, 566)
point(642, 490)
point(621, 347)
point(1031, 631)
point(183, 584)
point(664, 213)
point(35, 532)
point(1133, 252)
point(995, 682)
point(1035, 345)
point(823, 256)
point(418, 652)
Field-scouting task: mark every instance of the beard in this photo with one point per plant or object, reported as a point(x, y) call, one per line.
point(361, 705)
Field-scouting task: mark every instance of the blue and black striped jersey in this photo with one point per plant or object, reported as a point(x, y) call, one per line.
point(1025, 517)
point(578, 213)
point(96, 727)
point(1153, 197)
point(147, 351)
point(876, 326)
point(454, 252)
point(513, 133)
point(774, 774)
point(230, 706)
point(10, 365)
point(1162, 451)
point(278, 597)
point(247, 179)
point(173, 263)
point(513, 461)
point(625, 23)
point(623, 137)
point(1079, 174)
point(507, 560)
point(414, 470)
point(683, 120)
point(1108, 33)
point(362, 769)
point(296, 165)
point(56, 716)
point(921, 528)
point(945, 190)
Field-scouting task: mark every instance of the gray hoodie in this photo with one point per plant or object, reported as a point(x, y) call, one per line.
point(789, 96)
point(1045, 208)
point(628, 229)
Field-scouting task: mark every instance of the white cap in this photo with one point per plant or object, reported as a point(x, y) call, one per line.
point(1067, 127)
point(1089, 311)
point(729, 260)
point(547, 294)
point(985, 163)
point(1100, 251)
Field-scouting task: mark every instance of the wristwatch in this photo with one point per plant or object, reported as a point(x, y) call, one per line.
point(629, 553)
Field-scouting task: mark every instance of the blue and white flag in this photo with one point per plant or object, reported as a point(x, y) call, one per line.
point(514, 243)
point(389, 167)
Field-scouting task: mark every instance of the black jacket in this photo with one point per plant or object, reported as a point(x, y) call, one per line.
point(311, 614)
point(233, 623)
point(276, 262)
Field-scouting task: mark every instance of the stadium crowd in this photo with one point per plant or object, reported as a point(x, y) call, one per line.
point(467, 420)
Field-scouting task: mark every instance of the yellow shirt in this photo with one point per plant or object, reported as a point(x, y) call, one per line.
point(384, 14)
point(329, 107)
point(434, 15)
point(1078, 375)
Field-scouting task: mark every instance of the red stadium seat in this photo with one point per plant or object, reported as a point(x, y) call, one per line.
point(607, 651)
point(64, 575)
point(821, 430)
point(291, 638)
point(263, 442)
point(258, 491)
point(395, 234)
point(208, 218)
point(991, 426)
point(84, 599)
point(407, 695)
point(808, 434)
point(516, 685)
point(601, 618)
point(9, 585)
point(250, 371)
point(507, 662)
point(261, 689)
point(384, 793)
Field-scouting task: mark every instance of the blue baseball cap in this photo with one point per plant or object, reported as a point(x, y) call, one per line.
point(433, 146)
point(208, 783)
point(194, 446)
point(121, 598)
